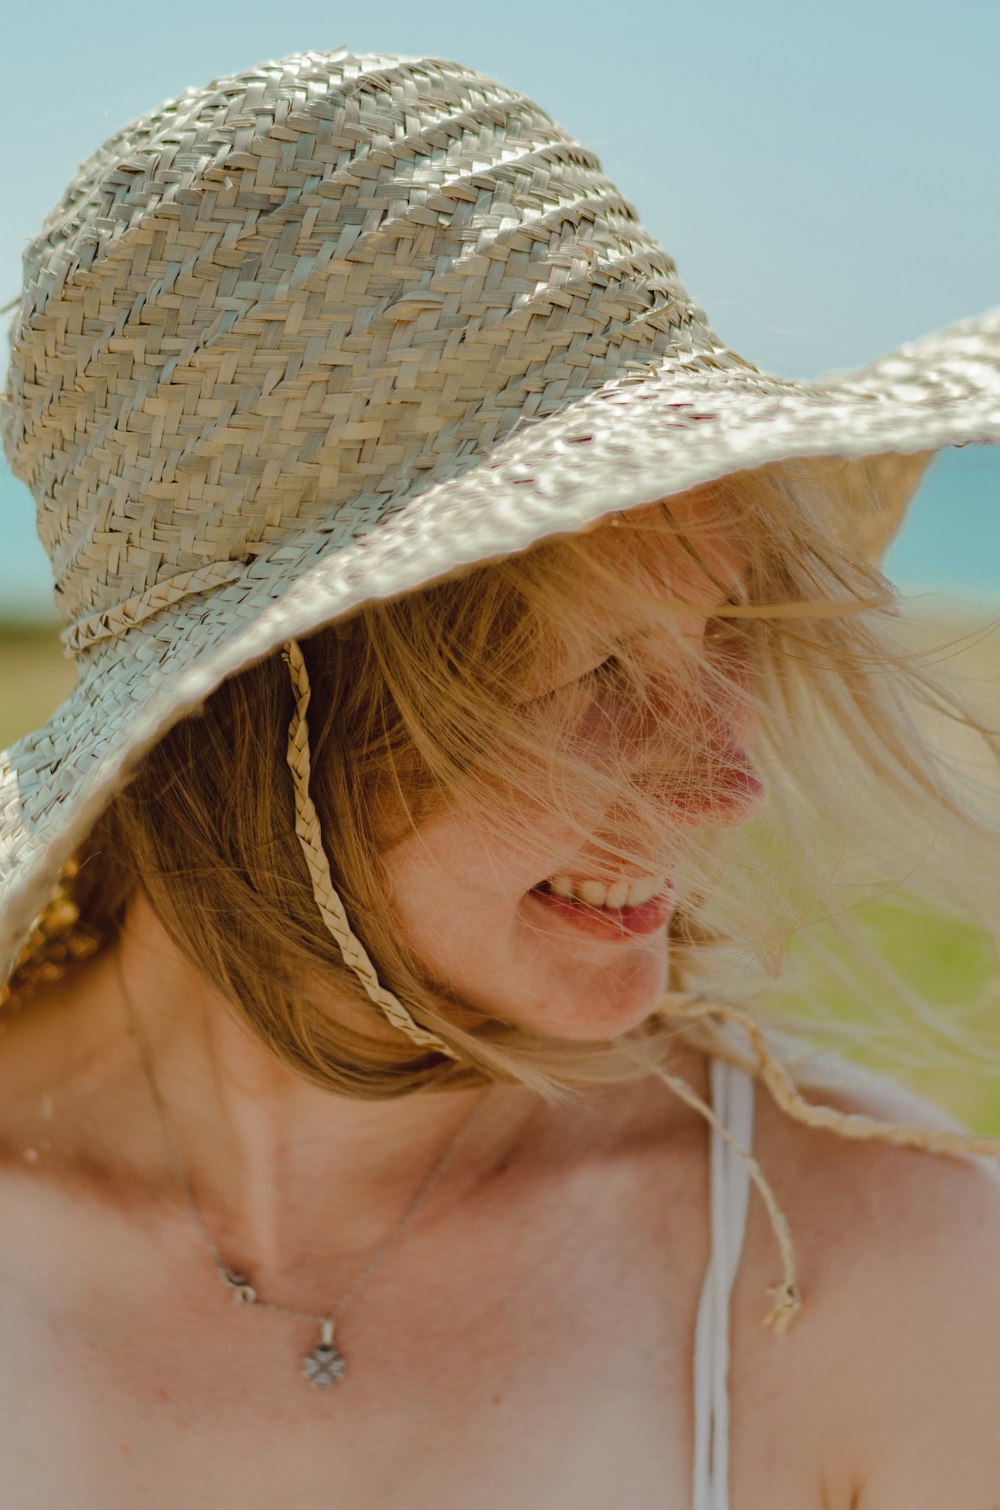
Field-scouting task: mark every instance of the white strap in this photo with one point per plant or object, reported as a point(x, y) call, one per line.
point(732, 1102)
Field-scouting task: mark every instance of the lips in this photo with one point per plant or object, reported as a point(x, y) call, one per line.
point(605, 922)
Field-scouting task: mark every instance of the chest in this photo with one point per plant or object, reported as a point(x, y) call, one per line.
point(535, 1362)
point(539, 1363)
point(487, 1383)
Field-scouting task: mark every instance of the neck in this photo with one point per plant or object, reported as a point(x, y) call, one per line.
point(278, 1167)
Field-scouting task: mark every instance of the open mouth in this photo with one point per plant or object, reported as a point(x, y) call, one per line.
point(618, 895)
point(632, 918)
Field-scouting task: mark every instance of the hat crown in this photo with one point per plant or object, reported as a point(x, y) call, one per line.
point(307, 292)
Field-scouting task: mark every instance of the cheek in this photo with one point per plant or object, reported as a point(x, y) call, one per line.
point(443, 877)
point(456, 895)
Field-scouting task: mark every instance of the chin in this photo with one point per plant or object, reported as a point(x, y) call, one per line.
point(610, 1008)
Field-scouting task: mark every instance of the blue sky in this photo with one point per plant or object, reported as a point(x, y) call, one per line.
point(825, 177)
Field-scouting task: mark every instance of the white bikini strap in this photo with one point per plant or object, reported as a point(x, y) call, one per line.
point(733, 1103)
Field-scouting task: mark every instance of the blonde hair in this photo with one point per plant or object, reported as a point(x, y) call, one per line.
point(471, 692)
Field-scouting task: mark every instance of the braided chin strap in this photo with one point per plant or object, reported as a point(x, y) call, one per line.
point(307, 827)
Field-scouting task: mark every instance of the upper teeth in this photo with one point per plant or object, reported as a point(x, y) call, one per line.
point(598, 894)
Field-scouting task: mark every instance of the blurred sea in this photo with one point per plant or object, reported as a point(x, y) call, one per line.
point(948, 550)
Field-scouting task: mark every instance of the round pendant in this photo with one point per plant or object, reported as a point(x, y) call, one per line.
point(324, 1365)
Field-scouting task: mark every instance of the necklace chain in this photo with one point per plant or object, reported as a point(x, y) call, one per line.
point(324, 1364)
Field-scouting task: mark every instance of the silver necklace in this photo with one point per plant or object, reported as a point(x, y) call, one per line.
point(325, 1364)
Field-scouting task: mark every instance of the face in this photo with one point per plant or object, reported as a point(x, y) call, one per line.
point(489, 917)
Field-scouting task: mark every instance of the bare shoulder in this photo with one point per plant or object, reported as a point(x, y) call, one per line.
point(880, 1174)
point(894, 1361)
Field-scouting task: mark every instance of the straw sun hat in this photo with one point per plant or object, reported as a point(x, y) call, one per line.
point(329, 329)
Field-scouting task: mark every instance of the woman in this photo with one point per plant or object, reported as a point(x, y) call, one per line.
point(430, 566)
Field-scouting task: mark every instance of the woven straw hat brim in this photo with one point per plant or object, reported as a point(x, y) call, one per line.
point(639, 438)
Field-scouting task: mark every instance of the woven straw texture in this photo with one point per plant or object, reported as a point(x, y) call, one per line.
point(327, 331)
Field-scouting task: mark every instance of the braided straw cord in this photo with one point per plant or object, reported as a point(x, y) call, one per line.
point(854, 1125)
point(307, 827)
point(786, 1296)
